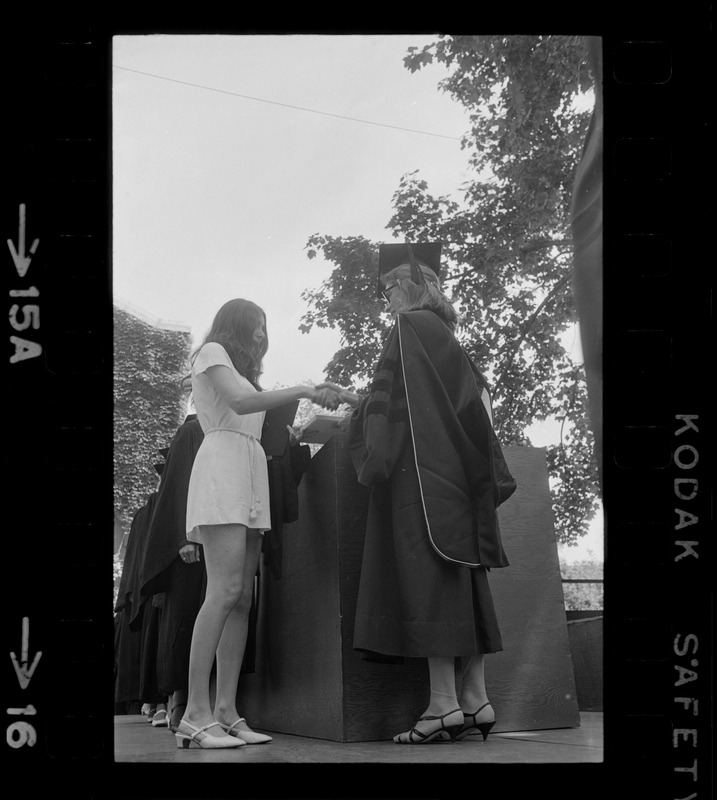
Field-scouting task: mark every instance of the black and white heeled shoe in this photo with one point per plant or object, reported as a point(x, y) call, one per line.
point(415, 736)
point(470, 724)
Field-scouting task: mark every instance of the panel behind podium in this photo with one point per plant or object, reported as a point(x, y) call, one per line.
point(309, 681)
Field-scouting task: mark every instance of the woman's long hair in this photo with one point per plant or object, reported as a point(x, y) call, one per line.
point(233, 328)
point(426, 294)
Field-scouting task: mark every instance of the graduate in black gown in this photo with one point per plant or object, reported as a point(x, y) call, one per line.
point(129, 611)
point(144, 619)
point(173, 567)
point(423, 442)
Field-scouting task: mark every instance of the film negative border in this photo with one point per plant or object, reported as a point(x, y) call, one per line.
point(659, 619)
point(58, 373)
point(657, 493)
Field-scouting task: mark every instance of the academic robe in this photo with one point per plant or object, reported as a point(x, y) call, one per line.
point(149, 690)
point(126, 664)
point(135, 597)
point(166, 530)
point(423, 443)
point(183, 585)
point(128, 620)
point(285, 473)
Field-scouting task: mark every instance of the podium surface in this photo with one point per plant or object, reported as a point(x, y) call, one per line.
point(309, 681)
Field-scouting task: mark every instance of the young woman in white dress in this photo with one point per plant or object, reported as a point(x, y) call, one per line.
point(227, 513)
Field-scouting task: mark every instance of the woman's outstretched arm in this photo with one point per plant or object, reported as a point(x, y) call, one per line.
point(242, 401)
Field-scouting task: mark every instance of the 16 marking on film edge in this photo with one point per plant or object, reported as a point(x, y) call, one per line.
point(21, 733)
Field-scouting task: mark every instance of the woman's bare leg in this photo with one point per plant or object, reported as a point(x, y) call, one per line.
point(473, 691)
point(224, 557)
point(442, 677)
point(442, 700)
point(232, 645)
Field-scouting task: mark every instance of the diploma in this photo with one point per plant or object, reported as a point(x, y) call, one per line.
point(321, 428)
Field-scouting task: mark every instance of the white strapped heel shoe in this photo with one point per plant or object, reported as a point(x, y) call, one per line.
point(248, 736)
point(188, 735)
point(160, 719)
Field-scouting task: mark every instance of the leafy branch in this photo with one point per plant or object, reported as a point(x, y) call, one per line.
point(507, 238)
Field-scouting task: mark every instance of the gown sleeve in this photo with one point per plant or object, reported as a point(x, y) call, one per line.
point(379, 430)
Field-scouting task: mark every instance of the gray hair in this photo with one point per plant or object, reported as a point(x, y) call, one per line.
point(425, 295)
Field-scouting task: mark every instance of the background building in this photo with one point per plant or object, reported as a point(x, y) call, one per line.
point(150, 360)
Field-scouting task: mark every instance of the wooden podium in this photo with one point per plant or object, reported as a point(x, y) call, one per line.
point(310, 682)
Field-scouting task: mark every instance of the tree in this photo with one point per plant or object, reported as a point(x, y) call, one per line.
point(507, 254)
point(149, 363)
point(583, 596)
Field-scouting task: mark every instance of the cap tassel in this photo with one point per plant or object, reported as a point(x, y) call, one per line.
point(416, 274)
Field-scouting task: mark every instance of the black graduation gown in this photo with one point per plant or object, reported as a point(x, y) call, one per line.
point(423, 443)
point(127, 654)
point(149, 690)
point(167, 532)
point(135, 598)
point(128, 625)
point(182, 585)
point(285, 473)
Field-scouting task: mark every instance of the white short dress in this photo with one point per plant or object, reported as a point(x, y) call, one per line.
point(229, 483)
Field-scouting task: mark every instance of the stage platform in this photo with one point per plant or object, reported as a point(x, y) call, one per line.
point(137, 741)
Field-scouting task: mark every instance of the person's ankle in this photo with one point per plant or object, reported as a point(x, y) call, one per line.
point(225, 714)
point(197, 715)
point(470, 703)
point(440, 704)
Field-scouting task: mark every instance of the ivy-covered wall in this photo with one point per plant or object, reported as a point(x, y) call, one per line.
point(149, 405)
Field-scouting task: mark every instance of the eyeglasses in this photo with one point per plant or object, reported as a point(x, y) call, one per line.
point(385, 292)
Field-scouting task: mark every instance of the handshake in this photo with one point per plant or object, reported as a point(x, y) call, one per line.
point(331, 396)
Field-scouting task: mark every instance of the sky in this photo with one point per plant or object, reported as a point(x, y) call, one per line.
point(229, 152)
point(216, 195)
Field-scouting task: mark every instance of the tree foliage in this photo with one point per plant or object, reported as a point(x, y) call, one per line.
point(507, 248)
point(149, 364)
point(583, 596)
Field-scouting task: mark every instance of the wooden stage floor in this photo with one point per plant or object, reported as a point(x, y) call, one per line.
point(136, 741)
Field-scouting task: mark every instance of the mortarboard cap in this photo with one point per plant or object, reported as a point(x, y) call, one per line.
point(391, 256)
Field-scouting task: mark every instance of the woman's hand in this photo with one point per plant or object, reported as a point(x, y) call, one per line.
point(351, 398)
point(189, 553)
point(345, 396)
point(327, 396)
point(330, 385)
point(295, 434)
